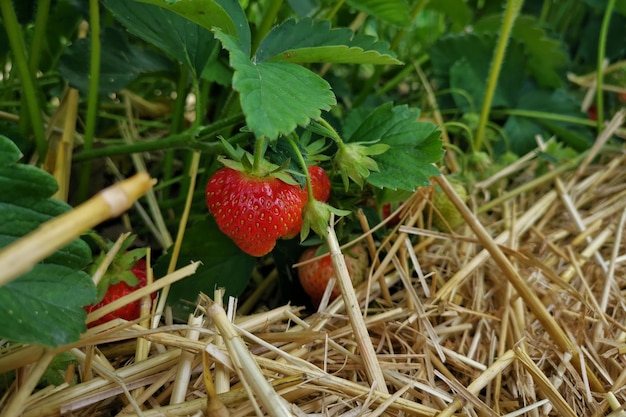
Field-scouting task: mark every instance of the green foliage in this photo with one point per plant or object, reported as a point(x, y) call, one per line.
point(276, 96)
point(177, 36)
point(306, 41)
point(121, 63)
point(413, 147)
point(35, 307)
point(392, 11)
point(522, 130)
point(226, 15)
point(546, 57)
point(462, 62)
point(224, 265)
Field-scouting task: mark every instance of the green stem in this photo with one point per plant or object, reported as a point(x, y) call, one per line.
point(39, 34)
point(34, 55)
point(334, 10)
point(205, 142)
point(303, 166)
point(268, 20)
point(512, 9)
point(190, 184)
point(178, 120)
point(178, 112)
point(545, 116)
point(400, 76)
point(545, 11)
point(417, 8)
point(606, 21)
point(331, 130)
point(29, 91)
point(259, 150)
point(92, 98)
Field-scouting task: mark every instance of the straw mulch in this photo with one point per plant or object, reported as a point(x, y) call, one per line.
point(520, 311)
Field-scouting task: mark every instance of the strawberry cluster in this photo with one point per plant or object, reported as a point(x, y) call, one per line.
point(256, 211)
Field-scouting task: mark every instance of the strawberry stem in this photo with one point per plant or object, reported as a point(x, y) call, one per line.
point(303, 166)
point(259, 150)
point(333, 133)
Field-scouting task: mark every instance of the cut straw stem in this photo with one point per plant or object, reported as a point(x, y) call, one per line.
point(246, 366)
point(361, 335)
point(19, 400)
point(481, 382)
point(183, 373)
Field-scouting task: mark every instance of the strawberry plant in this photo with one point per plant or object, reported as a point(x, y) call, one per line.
point(314, 107)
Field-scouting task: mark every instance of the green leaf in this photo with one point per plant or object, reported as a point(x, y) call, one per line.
point(457, 11)
point(56, 372)
point(276, 97)
point(35, 307)
point(121, 63)
point(521, 131)
point(392, 11)
point(462, 62)
point(414, 147)
point(303, 7)
point(547, 57)
point(306, 41)
point(189, 43)
point(226, 15)
point(223, 265)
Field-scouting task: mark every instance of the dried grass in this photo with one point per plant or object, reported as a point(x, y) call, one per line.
point(518, 312)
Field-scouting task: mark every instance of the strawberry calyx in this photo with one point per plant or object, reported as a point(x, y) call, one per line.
point(119, 270)
point(264, 169)
point(354, 162)
point(316, 215)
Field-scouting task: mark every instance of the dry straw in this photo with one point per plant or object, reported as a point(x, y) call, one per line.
point(520, 311)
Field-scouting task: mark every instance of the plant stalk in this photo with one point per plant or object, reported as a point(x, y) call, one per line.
point(182, 140)
point(29, 91)
point(606, 21)
point(268, 20)
point(303, 166)
point(92, 97)
point(512, 9)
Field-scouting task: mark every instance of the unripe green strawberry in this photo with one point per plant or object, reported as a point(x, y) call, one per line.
point(314, 276)
point(445, 208)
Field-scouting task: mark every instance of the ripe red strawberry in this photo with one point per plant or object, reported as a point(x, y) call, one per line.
point(117, 287)
point(314, 276)
point(253, 211)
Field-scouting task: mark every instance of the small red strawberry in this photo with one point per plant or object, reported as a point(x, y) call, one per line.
point(115, 286)
point(254, 211)
point(321, 192)
point(387, 210)
point(320, 183)
point(314, 276)
point(592, 112)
